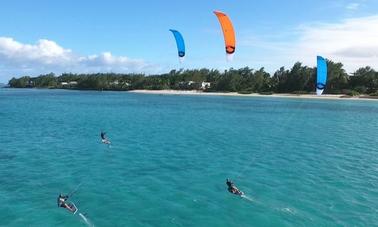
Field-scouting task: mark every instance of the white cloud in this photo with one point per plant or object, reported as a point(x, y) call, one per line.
point(354, 42)
point(44, 52)
point(109, 61)
point(45, 56)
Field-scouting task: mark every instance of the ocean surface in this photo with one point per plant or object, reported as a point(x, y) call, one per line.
point(300, 162)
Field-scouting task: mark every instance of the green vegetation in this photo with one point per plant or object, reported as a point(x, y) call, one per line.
point(298, 80)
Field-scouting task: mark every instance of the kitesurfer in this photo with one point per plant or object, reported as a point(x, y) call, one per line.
point(232, 188)
point(103, 138)
point(62, 203)
point(103, 135)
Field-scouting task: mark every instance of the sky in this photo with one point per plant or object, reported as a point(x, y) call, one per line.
point(43, 36)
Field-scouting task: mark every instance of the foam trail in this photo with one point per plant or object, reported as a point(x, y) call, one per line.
point(247, 198)
point(86, 220)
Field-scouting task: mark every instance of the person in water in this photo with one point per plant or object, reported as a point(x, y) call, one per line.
point(103, 138)
point(62, 203)
point(232, 188)
point(103, 135)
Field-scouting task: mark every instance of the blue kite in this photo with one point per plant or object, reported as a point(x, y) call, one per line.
point(180, 44)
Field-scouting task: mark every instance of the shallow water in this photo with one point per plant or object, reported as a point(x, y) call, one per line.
point(300, 162)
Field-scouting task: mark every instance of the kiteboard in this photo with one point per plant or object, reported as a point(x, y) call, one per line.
point(73, 207)
point(240, 193)
point(236, 192)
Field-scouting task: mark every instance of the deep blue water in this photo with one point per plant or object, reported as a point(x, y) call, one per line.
point(302, 162)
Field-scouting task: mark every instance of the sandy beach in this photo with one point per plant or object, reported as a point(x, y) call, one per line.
point(301, 96)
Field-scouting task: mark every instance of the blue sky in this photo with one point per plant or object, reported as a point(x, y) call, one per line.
point(43, 36)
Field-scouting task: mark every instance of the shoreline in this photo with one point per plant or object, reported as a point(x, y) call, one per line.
point(231, 94)
point(235, 94)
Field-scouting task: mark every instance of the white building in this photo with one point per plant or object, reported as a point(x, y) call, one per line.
point(116, 82)
point(205, 85)
point(67, 84)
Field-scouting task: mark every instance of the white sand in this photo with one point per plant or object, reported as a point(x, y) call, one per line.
point(194, 92)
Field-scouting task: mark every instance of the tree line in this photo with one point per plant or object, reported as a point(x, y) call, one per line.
point(299, 79)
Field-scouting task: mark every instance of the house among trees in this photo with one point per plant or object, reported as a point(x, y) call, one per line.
point(187, 85)
point(30, 83)
point(69, 84)
point(205, 85)
point(116, 82)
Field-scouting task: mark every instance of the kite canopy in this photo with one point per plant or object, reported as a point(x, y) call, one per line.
point(228, 32)
point(321, 75)
point(180, 43)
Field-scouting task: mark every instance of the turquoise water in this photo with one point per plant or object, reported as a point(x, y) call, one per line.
point(302, 162)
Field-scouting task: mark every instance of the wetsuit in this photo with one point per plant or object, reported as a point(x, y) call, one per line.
point(103, 135)
point(230, 184)
point(232, 189)
point(60, 202)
